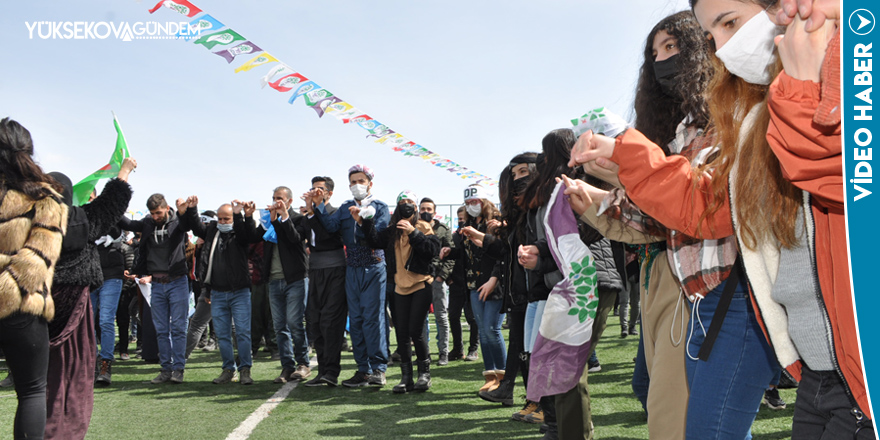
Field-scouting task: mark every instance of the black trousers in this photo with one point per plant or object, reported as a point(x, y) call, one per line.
point(823, 411)
point(261, 318)
point(149, 339)
point(326, 311)
point(460, 300)
point(515, 346)
point(123, 319)
point(410, 313)
point(25, 340)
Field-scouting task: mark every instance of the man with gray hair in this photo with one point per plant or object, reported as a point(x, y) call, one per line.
point(288, 271)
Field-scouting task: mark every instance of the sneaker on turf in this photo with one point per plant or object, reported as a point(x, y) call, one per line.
point(224, 377)
point(358, 380)
point(245, 376)
point(536, 417)
point(443, 361)
point(7, 382)
point(772, 399)
point(164, 376)
point(177, 376)
point(104, 373)
point(284, 376)
point(302, 371)
point(594, 367)
point(377, 378)
point(471, 356)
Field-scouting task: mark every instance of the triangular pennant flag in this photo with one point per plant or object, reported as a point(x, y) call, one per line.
point(256, 61)
point(287, 82)
point(280, 69)
point(323, 103)
point(224, 38)
point(200, 26)
point(242, 49)
point(303, 88)
point(181, 6)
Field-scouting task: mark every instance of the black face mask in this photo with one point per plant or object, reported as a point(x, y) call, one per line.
point(519, 185)
point(665, 71)
point(427, 216)
point(406, 210)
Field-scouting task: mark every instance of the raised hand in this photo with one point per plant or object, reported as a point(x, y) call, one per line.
point(590, 147)
point(281, 209)
point(405, 226)
point(181, 205)
point(249, 208)
point(128, 165)
point(814, 12)
point(492, 226)
point(476, 237)
point(237, 206)
point(316, 196)
point(444, 252)
point(802, 52)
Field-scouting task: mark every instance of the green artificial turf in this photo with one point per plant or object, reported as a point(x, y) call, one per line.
point(131, 408)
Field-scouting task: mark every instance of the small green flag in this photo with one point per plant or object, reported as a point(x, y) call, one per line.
point(83, 189)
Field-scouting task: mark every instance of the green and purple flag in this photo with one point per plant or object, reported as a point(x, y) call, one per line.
point(224, 38)
point(83, 189)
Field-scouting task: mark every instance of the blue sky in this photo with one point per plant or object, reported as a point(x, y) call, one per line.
point(476, 82)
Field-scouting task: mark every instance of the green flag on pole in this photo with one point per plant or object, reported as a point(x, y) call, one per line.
point(83, 189)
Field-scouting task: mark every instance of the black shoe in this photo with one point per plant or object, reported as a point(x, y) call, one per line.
point(7, 382)
point(552, 432)
point(104, 374)
point(624, 333)
point(772, 399)
point(377, 379)
point(634, 331)
point(455, 355)
point(406, 379)
point(358, 380)
point(503, 394)
point(320, 381)
point(424, 381)
point(443, 361)
point(544, 428)
point(787, 382)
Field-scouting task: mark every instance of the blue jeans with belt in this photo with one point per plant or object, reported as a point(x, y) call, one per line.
point(726, 390)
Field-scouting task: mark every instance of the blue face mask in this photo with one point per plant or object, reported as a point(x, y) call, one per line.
point(224, 227)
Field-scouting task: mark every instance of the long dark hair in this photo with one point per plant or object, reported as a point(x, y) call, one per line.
point(552, 163)
point(18, 171)
point(396, 217)
point(512, 215)
point(658, 114)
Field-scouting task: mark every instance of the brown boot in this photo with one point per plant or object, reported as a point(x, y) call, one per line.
point(491, 381)
point(499, 376)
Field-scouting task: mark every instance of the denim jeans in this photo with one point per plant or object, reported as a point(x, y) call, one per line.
point(489, 319)
point(534, 313)
point(226, 308)
point(641, 379)
point(726, 390)
point(365, 294)
point(288, 304)
point(169, 304)
point(105, 300)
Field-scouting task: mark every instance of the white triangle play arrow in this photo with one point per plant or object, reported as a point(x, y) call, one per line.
point(864, 21)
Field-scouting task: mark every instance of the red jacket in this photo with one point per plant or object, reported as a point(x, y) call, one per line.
point(804, 134)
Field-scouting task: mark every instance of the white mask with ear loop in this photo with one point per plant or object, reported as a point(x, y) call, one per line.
point(751, 51)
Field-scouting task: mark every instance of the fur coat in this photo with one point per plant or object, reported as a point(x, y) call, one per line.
point(31, 232)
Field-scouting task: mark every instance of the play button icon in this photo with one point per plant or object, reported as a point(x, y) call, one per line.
point(861, 22)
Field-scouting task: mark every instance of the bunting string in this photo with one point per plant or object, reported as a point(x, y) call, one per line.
point(229, 44)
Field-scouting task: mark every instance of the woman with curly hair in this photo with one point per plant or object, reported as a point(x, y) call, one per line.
point(34, 221)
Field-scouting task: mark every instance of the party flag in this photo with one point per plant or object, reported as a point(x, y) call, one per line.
point(303, 88)
point(286, 83)
point(258, 60)
point(322, 104)
point(404, 147)
point(280, 69)
point(358, 119)
point(392, 140)
point(83, 189)
point(181, 6)
point(379, 130)
point(339, 107)
point(243, 48)
point(200, 26)
point(224, 38)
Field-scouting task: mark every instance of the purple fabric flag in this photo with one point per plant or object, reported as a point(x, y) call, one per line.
point(241, 49)
point(321, 105)
point(563, 344)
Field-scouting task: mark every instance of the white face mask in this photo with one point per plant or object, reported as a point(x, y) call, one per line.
point(359, 191)
point(474, 210)
point(751, 51)
point(224, 227)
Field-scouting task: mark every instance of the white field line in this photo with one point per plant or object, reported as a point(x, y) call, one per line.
point(246, 427)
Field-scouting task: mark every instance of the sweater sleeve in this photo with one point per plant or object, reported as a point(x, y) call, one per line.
point(663, 187)
point(809, 153)
point(108, 208)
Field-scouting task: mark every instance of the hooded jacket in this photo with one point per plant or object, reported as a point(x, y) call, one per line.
point(231, 253)
point(173, 230)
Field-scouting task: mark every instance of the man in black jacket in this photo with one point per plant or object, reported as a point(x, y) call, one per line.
point(223, 267)
point(289, 266)
point(442, 272)
point(327, 307)
point(161, 261)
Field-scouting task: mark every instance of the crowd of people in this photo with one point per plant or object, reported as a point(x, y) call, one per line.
point(716, 218)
